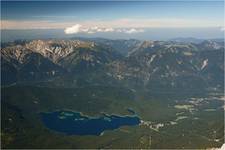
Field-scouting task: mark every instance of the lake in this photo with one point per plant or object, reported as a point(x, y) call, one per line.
point(74, 123)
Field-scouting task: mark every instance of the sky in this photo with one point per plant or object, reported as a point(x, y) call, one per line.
point(126, 19)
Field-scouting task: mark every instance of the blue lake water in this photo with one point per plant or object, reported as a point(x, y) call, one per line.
point(74, 123)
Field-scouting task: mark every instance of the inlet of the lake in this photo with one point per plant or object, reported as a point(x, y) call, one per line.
point(74, 123)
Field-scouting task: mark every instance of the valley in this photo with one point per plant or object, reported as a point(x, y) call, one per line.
point(174, 88)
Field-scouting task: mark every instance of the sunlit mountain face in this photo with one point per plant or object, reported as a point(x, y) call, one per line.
point(112, 75)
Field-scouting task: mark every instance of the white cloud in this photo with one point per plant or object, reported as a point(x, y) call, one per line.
point(108, 30)
point(73, 30)
point(133, 30)
point(90, 30)
point(222, 29)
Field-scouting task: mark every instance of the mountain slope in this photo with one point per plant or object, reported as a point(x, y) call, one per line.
point(149, 64)
point(172, 65)
point(38, 59)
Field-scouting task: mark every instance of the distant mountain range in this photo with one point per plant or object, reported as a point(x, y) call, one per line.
point(147, 64)
point(194, 40)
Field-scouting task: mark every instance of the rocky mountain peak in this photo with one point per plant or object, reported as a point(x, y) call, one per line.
point(51, 49)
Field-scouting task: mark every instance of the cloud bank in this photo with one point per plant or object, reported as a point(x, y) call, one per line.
point(78, 28)
point(106, 25)
point(222, 29)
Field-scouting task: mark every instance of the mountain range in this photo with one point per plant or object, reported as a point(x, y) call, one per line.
point(175, 88)
point(135, 63)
